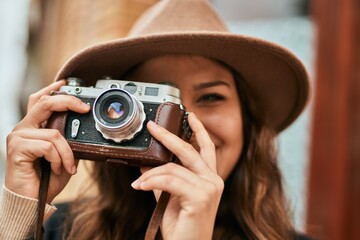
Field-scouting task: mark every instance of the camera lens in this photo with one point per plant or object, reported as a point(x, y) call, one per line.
point(118, 115)
point(115, 110)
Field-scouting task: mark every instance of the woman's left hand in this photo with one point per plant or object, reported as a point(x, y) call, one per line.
point(195, 187)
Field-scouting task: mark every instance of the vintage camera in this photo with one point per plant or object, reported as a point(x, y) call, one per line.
point(115, 131)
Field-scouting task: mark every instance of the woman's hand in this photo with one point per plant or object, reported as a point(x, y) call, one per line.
point(195, 187)
point(28, 141)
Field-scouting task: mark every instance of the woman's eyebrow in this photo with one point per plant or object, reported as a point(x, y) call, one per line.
point(210, 84)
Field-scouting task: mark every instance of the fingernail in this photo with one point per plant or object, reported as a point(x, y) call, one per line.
point(85, 105)
point(73, 170)
point(135, 184)
point(152, 124)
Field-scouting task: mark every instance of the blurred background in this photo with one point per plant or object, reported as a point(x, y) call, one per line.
point(38, 36)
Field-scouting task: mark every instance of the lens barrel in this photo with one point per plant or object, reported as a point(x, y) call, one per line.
point(118, 115)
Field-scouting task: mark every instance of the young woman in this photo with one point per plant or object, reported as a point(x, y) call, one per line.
point(240, 93)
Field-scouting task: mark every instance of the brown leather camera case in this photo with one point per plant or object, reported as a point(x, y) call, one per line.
point(169, 115)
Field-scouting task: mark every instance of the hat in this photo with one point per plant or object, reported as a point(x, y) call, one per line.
point(277, 80)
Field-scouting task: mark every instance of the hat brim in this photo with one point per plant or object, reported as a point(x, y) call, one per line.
point(277, 80)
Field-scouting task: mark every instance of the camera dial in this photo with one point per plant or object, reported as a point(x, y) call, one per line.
point(75, 82)
point(118, 115)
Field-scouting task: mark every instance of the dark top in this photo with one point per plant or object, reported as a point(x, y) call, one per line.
point(54, 225)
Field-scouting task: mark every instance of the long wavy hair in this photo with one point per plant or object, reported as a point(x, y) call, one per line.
point(253, 204)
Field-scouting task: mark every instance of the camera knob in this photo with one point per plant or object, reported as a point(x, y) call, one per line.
point(75, 82)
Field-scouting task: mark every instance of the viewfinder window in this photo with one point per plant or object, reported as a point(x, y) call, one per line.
point(151, 91)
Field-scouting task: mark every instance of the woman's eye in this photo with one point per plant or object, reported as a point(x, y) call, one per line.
point(209, 98)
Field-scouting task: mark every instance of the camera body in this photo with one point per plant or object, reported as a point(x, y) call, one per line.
point(115, 130)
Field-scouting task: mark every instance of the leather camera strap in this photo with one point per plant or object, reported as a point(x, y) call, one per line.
point(43, 190)
point(156, 218)
point(153, 228)
point(151, 232)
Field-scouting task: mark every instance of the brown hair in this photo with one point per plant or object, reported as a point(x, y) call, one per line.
point(118, 212)
point(253, 204)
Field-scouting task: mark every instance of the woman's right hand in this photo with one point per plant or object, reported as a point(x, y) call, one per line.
point(29, 141)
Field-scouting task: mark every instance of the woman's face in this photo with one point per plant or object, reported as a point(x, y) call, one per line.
point(207, 89)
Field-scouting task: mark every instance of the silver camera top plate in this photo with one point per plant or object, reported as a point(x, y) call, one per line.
point(144, 92)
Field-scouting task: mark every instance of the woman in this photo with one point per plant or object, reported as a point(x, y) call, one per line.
point(240, 91)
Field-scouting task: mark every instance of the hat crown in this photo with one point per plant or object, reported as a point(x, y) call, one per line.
point(277, 80)
point(175, 16)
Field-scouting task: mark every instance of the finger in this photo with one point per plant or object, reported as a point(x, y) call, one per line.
point(193, 187)
point(165, 182)
point(206, 145)
point(34, 98)
point(170, 169)
point(186, 153)
point(180, 188)
point(58, 141)
point(38, 148)
point(43, 109)
point(143, 170)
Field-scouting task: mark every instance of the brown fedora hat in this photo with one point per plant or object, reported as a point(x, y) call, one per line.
point(276, 78)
